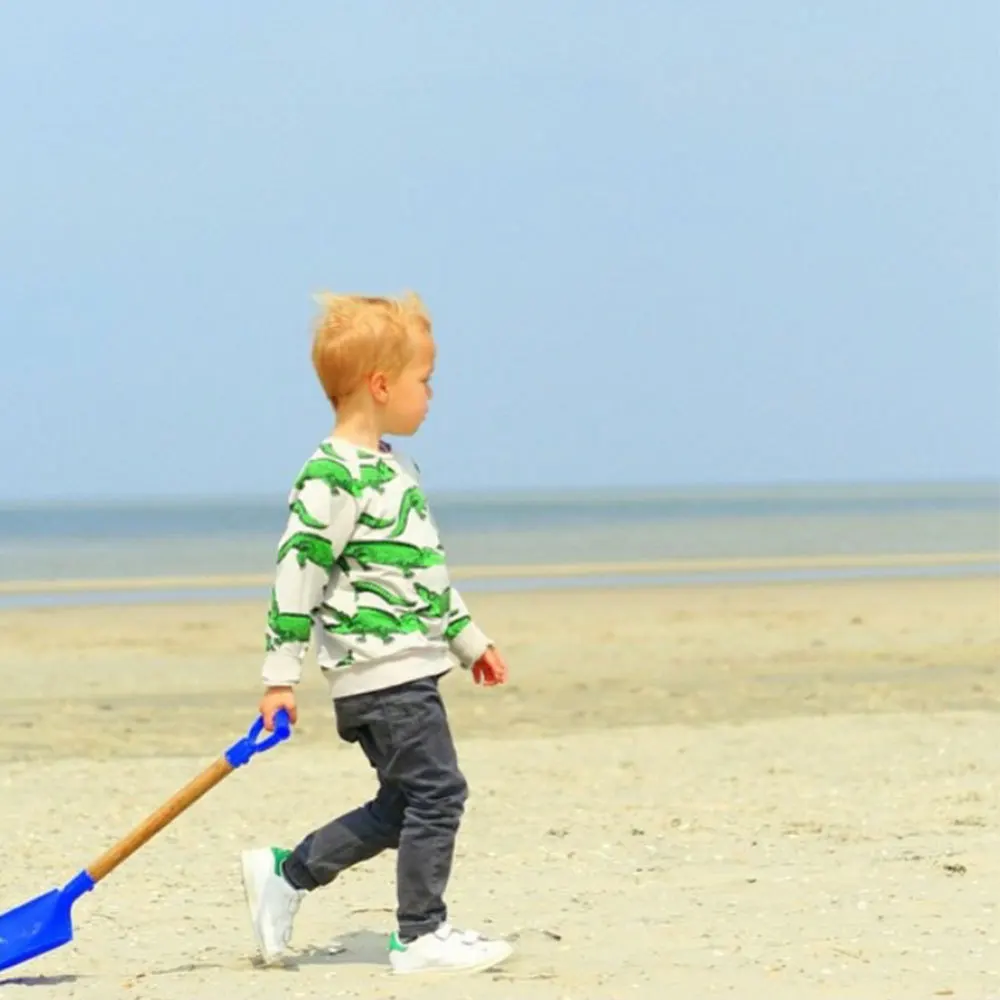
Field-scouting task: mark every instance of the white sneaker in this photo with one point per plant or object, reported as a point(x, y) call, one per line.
point(272, 901)
point(447, 950)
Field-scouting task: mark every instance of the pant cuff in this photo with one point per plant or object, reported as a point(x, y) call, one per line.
point(297, 875)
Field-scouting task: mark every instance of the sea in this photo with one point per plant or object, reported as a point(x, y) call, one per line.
point(945, 521)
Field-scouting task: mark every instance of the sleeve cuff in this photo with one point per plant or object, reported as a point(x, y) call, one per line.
point(470, 644)
point(281, 668)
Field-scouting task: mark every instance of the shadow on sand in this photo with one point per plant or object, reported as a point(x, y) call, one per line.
point(38, 981)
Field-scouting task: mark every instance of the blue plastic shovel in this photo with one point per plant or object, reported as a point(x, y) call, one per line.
point(45, 923)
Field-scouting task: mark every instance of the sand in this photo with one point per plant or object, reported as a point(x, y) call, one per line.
point(788, 791)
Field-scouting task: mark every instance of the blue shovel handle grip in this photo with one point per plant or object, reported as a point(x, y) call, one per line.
point(250, 745)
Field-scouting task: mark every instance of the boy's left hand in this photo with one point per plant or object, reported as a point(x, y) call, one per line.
point(490, 669)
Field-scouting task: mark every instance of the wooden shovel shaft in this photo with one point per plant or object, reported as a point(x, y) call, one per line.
point(166, 814)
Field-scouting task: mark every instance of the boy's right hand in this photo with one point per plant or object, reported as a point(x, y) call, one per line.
point(274, 699)
point(490, 669)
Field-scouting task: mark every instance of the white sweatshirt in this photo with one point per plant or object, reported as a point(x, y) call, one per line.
point(361, 572)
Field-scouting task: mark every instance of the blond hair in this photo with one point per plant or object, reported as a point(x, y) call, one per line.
point(355, 335)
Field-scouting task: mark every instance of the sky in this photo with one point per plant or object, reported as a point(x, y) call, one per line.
point(663, 243)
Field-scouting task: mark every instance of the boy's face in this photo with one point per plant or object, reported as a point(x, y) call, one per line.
point(409, 393)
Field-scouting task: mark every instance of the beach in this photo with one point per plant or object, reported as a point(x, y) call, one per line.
point(787, 790)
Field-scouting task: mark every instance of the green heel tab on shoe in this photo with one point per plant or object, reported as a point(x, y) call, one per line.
point(395, 944)
point(279, 854)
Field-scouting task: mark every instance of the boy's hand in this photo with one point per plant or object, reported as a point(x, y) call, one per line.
point(490, 669)
point(275, 698)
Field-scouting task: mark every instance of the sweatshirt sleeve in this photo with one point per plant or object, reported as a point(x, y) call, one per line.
point(320, 523)
point(466, 640)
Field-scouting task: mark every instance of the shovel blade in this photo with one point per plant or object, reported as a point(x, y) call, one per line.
point(41, 924)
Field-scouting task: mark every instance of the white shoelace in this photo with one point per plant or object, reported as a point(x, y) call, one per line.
point(446, 931)
point(291, 908)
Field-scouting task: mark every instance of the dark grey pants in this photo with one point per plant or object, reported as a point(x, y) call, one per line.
point(417, 810)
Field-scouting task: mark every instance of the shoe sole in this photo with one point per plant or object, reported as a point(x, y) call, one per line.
point(455, 970)
point(248, 867)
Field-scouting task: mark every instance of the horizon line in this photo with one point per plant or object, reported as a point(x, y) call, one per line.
point(763, 486)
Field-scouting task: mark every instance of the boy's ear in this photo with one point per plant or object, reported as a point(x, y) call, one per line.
point(378, 383)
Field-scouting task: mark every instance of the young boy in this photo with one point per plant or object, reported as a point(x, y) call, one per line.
point(361, 571)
